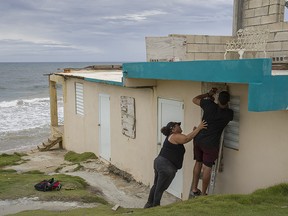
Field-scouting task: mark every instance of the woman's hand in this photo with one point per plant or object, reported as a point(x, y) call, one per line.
point(202, 125)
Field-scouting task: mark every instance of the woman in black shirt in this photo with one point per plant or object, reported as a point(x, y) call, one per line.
point(170, 159)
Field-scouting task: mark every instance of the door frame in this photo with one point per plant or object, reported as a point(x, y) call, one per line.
point(176, 187)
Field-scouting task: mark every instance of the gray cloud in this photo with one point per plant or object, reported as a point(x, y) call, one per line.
point(102, 30)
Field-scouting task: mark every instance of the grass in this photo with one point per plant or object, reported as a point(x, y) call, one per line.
point(14, 185)
point(10, 159)
point(264, 202)
point(77, 158)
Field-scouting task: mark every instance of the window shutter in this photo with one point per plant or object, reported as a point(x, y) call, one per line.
point(231, 134)
point(79, 92)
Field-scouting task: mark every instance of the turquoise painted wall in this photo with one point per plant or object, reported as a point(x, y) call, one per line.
point(233, 71)
point(266, 92)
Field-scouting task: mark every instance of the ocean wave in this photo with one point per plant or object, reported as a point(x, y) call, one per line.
point(40, 86)
point(22, 128)
point(20, 102)
point(25, 132)
point(27, 114)
point(23, 139)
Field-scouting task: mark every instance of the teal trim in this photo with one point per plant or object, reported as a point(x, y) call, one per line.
point(233, 71)
point(109, 82)
point(270, 95)
point(266, 92)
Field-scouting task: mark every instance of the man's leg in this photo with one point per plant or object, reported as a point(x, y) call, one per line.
point(209, 157)
point(198, 156)
point(206, 178)
point(196, 176)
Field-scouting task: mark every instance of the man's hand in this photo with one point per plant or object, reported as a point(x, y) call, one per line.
point(212, 91)
point(196, 100)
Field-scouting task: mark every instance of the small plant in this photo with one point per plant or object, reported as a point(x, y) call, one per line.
point(77, 158)
point(7, 171)
point(10, 159)
point(33, 172)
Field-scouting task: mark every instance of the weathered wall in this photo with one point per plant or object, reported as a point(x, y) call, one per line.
point(262, 12)
point(268, 14)
point(82, 132)
point(277, 46)
point(171, 48)
point(190, 47)
point(205, 47)
point(261, 157)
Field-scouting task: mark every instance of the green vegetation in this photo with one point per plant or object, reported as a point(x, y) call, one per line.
point(264, 202)
point(77, 158)
point(101, 210)
point(13, 185)
point(10, 159)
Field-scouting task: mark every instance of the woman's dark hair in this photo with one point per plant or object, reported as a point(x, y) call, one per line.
point(166, 130)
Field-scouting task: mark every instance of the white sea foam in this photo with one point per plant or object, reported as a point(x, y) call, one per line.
point(24, 102)
point(18, 115)
point(25, 123)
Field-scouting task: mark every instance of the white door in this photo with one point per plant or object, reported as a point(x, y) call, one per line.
point(104, 127)
point(171, 110)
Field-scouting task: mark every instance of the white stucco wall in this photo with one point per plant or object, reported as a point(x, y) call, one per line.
point(263, 142)
point(81, 132)
point(260, 161)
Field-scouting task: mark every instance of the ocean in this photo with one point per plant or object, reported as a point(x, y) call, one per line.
point(24, 103)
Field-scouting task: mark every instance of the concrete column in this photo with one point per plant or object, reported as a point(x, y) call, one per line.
point(53, 103)
point(237, 16)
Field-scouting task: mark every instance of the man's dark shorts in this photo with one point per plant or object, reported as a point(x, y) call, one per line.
point(207, 155)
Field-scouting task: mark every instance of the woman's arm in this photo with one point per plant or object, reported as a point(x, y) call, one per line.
point(183, 139)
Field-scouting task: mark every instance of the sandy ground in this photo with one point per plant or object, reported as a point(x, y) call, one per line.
point(114, 189)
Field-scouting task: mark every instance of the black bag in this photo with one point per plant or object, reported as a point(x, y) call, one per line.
point(48, 185)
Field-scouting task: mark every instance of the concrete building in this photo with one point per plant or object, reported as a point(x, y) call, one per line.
point(117, 111)
point(248, 14)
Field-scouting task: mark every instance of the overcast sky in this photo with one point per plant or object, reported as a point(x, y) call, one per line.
point(101, 30)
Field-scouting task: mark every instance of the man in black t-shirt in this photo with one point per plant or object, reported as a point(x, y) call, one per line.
point(207, 142)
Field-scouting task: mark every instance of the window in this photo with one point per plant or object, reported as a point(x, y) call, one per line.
point(231, 134)
point(79, 92)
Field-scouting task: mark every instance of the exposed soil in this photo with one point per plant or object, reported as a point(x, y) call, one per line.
point(117, 187)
